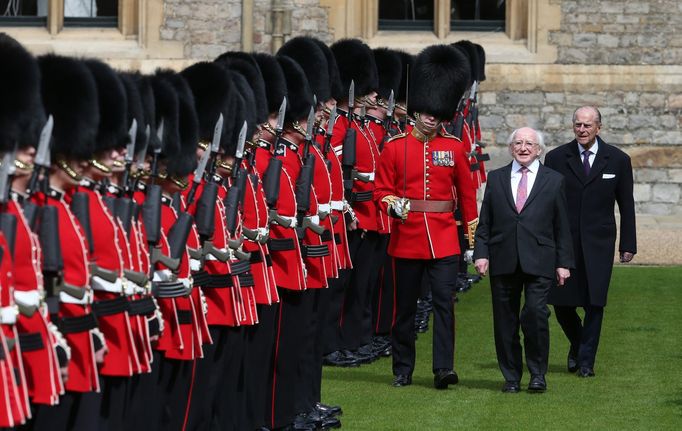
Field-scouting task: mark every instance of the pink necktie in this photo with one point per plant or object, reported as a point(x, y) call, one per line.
point(522, 190)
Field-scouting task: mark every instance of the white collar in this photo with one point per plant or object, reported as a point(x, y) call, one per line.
point(533, 167)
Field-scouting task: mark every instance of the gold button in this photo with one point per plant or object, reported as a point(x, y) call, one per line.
point(427, 181)
point(427, 166)
point(427, 174)
point(428, 196)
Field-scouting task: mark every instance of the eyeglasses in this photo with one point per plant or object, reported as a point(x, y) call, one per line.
point(519, 144)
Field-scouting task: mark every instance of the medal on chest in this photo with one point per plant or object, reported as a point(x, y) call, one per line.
point(443, 158)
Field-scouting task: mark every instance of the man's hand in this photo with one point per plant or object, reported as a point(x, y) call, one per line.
point(352, 225)
point(561, 275)
point(626, 256)
point(481, 266)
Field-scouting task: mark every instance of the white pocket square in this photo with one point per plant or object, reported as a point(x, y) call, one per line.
point(608, 176)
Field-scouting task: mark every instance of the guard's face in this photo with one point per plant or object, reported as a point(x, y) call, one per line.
point(427, 123)
point(525, 148)
point(25, 158)
point(586, 127)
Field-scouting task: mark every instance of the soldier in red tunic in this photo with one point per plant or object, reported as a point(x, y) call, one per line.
point(422, 175)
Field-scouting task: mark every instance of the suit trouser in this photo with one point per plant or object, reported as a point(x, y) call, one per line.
point(533, 319)
point(261, 340)
point(442, 274)
point(356, 329)
point(383, 302)
point(583, 336)
point(292, 314)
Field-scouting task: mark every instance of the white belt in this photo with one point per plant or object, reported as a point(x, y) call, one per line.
point(130, 288)
point(324, 208)
point(101, 285)
point(336, 205)
point(187, 282)
point(315, 219)
point(8, 315)
point(27, 298)
point(368, 174)
point(68, 299)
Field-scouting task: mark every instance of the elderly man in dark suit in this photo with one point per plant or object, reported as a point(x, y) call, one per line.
point(523, 237)
point(597, 176)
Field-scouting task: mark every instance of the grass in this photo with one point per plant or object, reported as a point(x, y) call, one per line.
point(638, 384)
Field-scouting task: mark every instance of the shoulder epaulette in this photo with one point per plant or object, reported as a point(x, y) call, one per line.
point(398, 136)
point(445, 134)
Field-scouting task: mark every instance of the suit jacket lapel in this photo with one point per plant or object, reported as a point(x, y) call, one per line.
point(540, 180)
point(573, 161)
point(506, 185)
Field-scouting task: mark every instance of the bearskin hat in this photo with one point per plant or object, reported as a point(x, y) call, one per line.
point(184, 162)
point(313, 62)
point(135, 108)
point(246, 65)
point(113, 107)
point(69, 94)
point(389, 68)
point(441, 75)
point(21, 109)
point(245, 111)
point(481, 62)
point(406, 65)
point(212, 89)
point(356, 63)
point(469, 49)
point(335, 87)
point(167, 112)
point(275, 81)
point(144, 86)
point(299, 94)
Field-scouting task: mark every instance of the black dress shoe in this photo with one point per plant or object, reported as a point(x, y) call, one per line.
point(330, 422)
point(511, 387)
point(572, 360)
point(585, 372)
point(402, 380)
point(443, 378)
point(327, 410)
point(537, 384)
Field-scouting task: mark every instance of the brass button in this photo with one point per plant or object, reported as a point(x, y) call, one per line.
point(427, 174)
point(427, 181)
point(428, 196)
point(427, 166)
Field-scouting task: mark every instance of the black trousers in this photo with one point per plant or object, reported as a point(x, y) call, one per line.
point(442, 274)
point(292, 314)
point(383, 304)
point(309, 363)
point(144, 415)
point(115, 402)
point(77, 411)
point(175, 379)
point(260, 339)
point(356, 328)
point(229, 411)
point(331, 322)
point(583, 335)
point(533, 320)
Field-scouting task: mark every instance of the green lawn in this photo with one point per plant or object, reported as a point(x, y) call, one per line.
point(638, 383)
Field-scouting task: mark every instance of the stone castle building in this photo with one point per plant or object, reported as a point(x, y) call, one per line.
point(545, 57)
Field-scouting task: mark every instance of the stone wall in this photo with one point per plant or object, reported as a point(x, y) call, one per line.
point(619, 32)
point(211, 27)
point(647, 125)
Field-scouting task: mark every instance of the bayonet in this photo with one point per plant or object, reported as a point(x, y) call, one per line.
point(310, 125)
point(363, 114)
point(5, 172)
point(142, 155)
point(391, 106)
point(43, 153)
point(280, 116)
point(217, 134)
point(474, 89)
point(331, 122)
point(159, 135)
point(130, 148)
point(351, 100)
point(239, 153)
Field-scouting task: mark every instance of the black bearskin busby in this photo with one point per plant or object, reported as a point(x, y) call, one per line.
point(212, 89)
point(183, 163)
point(313, 62)
point(21, 109)
point(299, 94)
point(406, 65)
point(389, 68)
point(135, 108)
point(481, 62)
point(356, 63)
point(113, 107)
point(335, 86)
point(441, 75)
point(247, 66)
point(144, 86)
point(167, 113)
point(469, 49)
point(69, 94)
point(275, 81)
point(245, 112)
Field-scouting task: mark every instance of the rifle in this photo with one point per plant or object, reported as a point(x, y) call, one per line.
point(328, 137)
point(235, 196)
point(348, 157)
point(272, 175)
point(304, 183)
point(8, 222)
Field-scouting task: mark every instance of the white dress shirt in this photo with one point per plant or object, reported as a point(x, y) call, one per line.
point(516, 176)
point(594, 148)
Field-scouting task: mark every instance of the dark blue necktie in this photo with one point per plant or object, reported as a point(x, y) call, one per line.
point(586, 162)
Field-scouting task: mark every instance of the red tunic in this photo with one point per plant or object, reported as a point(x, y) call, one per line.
point(337, 202)
point(425, 235)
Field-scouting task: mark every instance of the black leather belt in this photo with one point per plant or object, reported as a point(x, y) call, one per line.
point(184, 317)
point(281, 244)
point(141, 307)
point(73, 325)
point(217, 281)
point(256, 257)
point(326, 235)
point(337, 238)
point(361, 196)
point(246, 280)
point(315, 250)
point(109, 307)
point(31, 341)
point(201, 278)
point(169, 289)
point(240, 267)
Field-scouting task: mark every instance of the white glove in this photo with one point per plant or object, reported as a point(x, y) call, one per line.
point(469, 256)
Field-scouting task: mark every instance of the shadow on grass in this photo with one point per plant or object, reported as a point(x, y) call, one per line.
point(551, 368)
point(359, 375)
